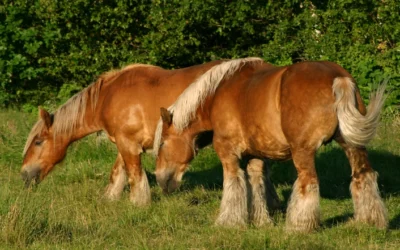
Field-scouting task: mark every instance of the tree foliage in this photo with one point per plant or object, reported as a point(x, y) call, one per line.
point(52, 49)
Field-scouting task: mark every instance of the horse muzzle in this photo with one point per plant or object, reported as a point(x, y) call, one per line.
point(30, 175)
point(167, 181)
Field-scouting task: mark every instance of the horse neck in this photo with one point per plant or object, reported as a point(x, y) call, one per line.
point(88, 125)
point(83, 126)
point(202, 122)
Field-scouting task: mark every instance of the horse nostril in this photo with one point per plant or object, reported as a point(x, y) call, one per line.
point(166, 180)
point(31, 174)
point(166, 191)
point(24, 175)
point(172, 185)
point(162, 181)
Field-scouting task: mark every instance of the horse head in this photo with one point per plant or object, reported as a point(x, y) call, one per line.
point(42, 150)
point(175, 150)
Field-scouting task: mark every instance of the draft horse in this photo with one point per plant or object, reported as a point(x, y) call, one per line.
point(125, 104)
point(277, 113)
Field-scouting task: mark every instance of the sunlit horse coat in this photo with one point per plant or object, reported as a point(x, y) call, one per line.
point(278, 113)
point(123, 103)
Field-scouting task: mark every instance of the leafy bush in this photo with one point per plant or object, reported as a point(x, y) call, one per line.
point(51, 49)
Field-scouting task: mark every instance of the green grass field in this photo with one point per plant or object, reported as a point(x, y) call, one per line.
point(67, 210)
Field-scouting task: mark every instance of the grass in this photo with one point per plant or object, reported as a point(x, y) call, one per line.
point(67, 210)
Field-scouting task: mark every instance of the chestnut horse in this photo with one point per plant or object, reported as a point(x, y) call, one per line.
point(125, 104)
point(277, 113)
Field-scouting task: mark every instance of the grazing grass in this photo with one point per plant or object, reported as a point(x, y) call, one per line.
point(67, 210)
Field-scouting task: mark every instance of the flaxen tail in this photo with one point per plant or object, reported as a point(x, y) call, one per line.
point(355, 128)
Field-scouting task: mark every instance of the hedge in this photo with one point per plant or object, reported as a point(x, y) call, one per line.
point(50, 49)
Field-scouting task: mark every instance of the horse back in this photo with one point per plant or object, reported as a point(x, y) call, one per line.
point(130, 103)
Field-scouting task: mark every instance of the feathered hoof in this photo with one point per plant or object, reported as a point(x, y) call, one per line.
point(267, 222)
point(231, 222)
point(140, 200)
point(368, 205)
point(375, 216)
point(140, 192)
point(302, 226)
point(303, 214)
point(111, 194)
point(261, 219)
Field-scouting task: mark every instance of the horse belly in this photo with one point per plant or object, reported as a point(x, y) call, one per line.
point(265, 144)
point(262, 119)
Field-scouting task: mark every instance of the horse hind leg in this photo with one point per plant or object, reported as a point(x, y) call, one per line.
point(117, 180)
point(258, 207)
point(368, 205)
point(303, 212)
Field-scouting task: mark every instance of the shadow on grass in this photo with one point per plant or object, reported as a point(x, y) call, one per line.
point(334, 221)
point(211, 178)
point(333, 171)
point(332, 166)
point(395, 222)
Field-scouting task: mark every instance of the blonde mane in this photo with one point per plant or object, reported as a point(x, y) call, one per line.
point(68, 117)
point(185, 107)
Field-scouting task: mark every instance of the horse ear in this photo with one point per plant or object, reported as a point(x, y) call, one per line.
point(166, 116)
point(46, 117)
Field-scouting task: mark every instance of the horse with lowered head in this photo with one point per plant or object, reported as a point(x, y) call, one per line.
point(277, 113)
point(125, 104)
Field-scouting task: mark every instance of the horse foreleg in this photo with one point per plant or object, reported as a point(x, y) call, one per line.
point(258, 209)
point(140, 189)
point(233, 211)
point(303, 213)
point(368, 205)
point(117, 179)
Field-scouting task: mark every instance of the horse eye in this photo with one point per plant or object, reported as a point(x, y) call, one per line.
point(161, 144)
point(37, 143)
